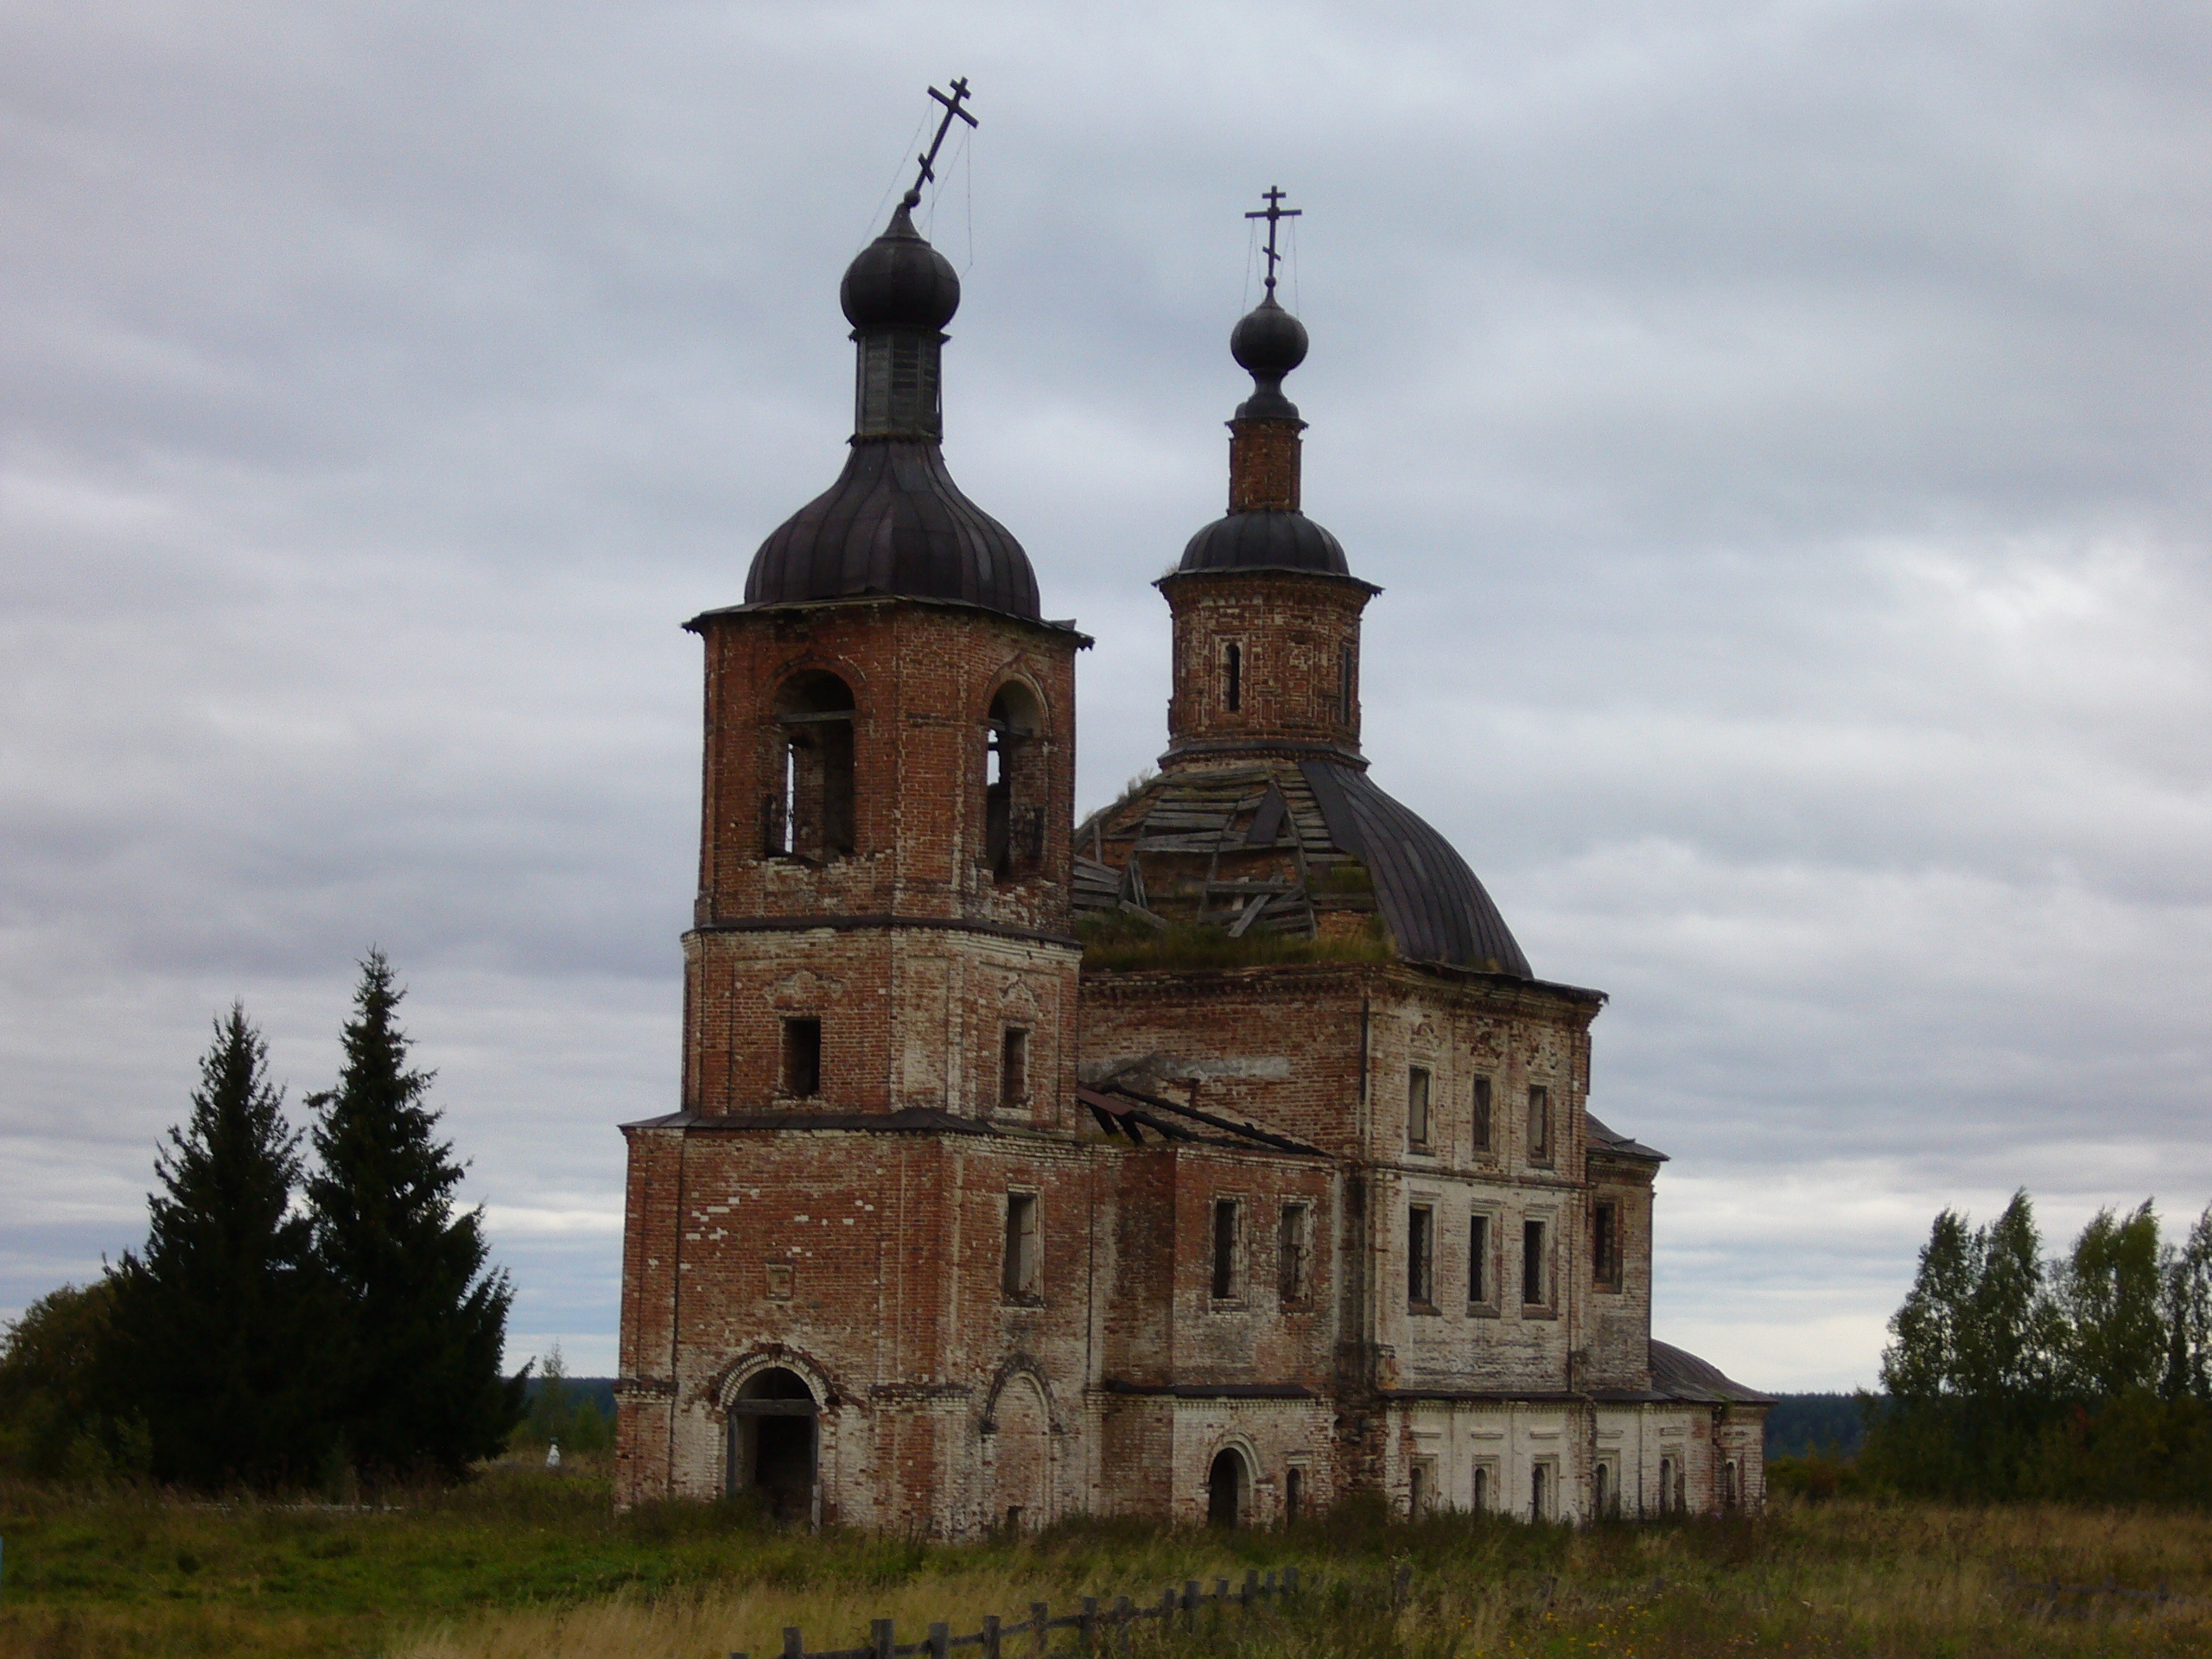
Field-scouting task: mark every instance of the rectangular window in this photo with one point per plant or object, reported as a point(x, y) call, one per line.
point(1225, 1249)
point(1232, 677)
point(1533, 1286)
point(1421, 1489)
point(1420, 1254)
point(1540, 1125)
point(803, 1058)
point(1417, 1107)
point(1605, 1246)
point(1023, 1281)
point(1013, 1070)
point(1482, 1114)
point(1347, 681)
point(1479, 1259)
point(1291, 1252)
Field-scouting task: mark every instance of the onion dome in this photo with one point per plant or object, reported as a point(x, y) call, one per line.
point(1268, 342)
point(1264, 540)
point(894, 522)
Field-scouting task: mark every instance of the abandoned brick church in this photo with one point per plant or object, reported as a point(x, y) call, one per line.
point(1216, 1158)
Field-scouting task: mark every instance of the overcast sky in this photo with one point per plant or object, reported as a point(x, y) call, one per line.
point(1780, 430)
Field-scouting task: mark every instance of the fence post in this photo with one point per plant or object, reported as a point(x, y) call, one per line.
point(1251, 1588)
point(1040, 1616)
point(990, 1636)
point(1122, 1617)
point(881, 1638)
point(1167, 1609)
point(1087, 1623)
point(940, 1641)
point(1189, 1603)
point(1269, 1588)
point(793, 1647)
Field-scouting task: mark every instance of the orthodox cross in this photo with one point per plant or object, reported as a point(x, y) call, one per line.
point(928, 160)
point(1274, 212)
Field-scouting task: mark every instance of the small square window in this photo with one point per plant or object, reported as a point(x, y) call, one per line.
point(1482, 1115)
point(1417, 1107)
point(780, 1281)
point(803, 1058)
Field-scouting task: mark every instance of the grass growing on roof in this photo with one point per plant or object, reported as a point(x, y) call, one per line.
point(1118, 943)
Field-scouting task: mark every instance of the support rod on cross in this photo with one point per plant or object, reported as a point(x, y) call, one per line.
point(913, 197)
point(1273, 213)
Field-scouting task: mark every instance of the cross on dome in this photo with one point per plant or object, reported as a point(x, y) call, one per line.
point(1274, 212)
point(928, 159)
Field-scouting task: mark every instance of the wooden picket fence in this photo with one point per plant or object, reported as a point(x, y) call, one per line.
point(1096, 1630)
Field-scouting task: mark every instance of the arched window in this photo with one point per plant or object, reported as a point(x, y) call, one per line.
point(1232, 677)
point(808, 811)
point(1730, 1497)
point(773, 1443)
point(1014, 784)
point(1601, 1492)
point(1228, 1484)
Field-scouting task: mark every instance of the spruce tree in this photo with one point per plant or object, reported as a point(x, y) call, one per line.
point(423, 1322)
point(215, 1328)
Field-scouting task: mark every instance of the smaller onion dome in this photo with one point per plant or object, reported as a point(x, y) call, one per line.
point(1268, 342)
point(1265, 540)
point(899, 281)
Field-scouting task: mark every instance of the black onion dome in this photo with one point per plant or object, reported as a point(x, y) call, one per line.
point(1268, 340)
point(899, 281)
point(1265, 539)
point(1430, 900)
point(894, 522)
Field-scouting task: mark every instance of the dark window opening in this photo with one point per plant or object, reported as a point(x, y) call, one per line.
point(1225, 1249)
point(1023, 1275)
point(1420, 1485)
point(1540, 1495)
point(1601, 1490)
point(1225, 1483)
point(1605, 1245)
point(1540, 1125)
point(803, 1058)
point(1479, 1258)
point(1013, 786)
point(1482, 1114)
point(1666, 1485)
point(810, 806)
point(1294, 1494)
point(1291, 1252)
point(1532, 1264)
point(1417, 1106)
point(1347, 681)
point(1420, 1254)
point(1232, 677)
point(1013, 1070)
point(1481, 1488)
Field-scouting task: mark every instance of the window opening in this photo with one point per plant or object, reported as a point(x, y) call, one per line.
point(1601, 1491)
point(1532, 1263)
point(803, 1057)
point(1604, 1245)
point(1347, 677)
point(1539, 1492)
point(1225, 1249)
point(1421, 1287)
point(1232, 677)
point(811, 810)
point(1294, 1494)
point(1482, 1114)
point(1291, 1252)
point(1482, 1487)
point(773, 1443)
point(1666, 1484)
point(1728, 1494)
point(1022, 1277)
point(1419, 1485)
point(1014, 784)
point(1013, 1070)
point(1417, 1106)
point(1225, 1483)
point(1539, 1124)
point(1479, 1258)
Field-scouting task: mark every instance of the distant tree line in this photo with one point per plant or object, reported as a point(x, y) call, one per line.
point(2087, 1376)
point(286, 1324)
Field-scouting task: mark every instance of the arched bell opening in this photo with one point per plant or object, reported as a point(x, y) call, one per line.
point(1014, 786)
point(775, 1443)
point(810, 809)
point(1229, 1489)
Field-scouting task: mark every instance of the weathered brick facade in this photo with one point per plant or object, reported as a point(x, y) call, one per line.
point(1216, 1157)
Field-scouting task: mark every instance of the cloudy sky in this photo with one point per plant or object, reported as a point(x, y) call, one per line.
point(1780, 430)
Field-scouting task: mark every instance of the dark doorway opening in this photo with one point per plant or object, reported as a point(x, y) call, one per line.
point(772, 1443)
point(1225, 1486)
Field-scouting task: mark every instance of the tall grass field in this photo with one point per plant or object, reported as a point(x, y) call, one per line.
point(527, 1564)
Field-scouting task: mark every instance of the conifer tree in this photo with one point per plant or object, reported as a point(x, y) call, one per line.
point(215, 1328)
point(423, 1322)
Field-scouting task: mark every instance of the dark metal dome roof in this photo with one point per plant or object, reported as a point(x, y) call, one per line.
point(1435, 907)
point(899, 281)
point(1265, 540)
point(894, 522)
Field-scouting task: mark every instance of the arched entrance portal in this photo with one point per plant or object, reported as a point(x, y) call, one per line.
point(1229, 1486)
point(773, 1439)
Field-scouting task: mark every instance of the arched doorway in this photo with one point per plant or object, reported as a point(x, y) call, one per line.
point(1021, 1459)
point(1229, 1485)
point(772, 1436)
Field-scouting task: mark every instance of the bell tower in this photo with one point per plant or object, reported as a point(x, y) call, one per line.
point(883, 917)
point(1266, 611)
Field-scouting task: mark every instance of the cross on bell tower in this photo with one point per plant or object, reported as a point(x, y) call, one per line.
point(1274, 212)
